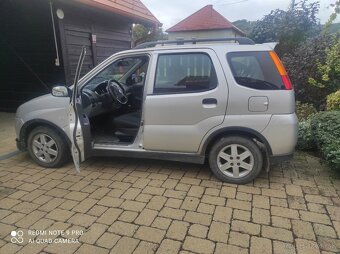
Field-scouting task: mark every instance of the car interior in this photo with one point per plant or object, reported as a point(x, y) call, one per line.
point(112, 100)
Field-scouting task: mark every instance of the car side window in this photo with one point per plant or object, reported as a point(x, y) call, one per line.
point(184, 73)
point(139, 75)
point(117, 70)
point(255, 70)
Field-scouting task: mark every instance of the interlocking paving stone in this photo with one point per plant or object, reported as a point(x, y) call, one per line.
point(145, 206)
point(260, 245)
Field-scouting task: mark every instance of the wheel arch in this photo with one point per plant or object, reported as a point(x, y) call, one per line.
point(31, 125)
point(234, 131)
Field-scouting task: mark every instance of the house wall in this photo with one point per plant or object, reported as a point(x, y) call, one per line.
point(27, 49)
point(103, 34)
point(203, 34)
point(27, 52)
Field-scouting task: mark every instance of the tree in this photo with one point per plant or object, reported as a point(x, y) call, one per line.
point(288, 27)
point(328, 72)
point(139, 32)
point(309, 63)
point(143, 34)
point(328, 26)
point(245, 25)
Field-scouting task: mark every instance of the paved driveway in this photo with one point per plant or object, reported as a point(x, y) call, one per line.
point(7, 133)
point(144, 206)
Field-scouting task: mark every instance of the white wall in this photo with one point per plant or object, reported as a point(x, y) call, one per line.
point(203, 34)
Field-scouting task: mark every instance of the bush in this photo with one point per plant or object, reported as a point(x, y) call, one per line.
point(305, 136)
point(325, 127)
point(333, 101)
point(304, 110)
point(303, 66)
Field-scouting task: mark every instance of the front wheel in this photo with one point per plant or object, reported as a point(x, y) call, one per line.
point(235, 160)
point(47, 147)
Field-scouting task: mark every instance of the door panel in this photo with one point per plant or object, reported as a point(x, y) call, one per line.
point(178, 122)
point(78, 122)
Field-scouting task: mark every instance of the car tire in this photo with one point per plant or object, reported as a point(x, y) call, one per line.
point(47, 147)
point(235, 159)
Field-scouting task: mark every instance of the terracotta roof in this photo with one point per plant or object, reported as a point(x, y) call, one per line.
point(131, 8)
point(204, 19)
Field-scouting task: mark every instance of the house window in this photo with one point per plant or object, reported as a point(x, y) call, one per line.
point(184, 73)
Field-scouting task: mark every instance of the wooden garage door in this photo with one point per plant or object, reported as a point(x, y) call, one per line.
point(101, 35)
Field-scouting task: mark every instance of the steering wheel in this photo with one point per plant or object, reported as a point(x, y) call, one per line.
point(117, 91)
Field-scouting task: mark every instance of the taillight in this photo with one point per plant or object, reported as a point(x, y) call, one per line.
point(282, 71)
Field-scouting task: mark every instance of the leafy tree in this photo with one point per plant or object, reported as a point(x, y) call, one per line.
point(288, 27)
point(329, 24)
point(334, 28)
point(328, 72)
point(245, 25)
point(139, 32)
point(305, 64)
point(143, 34)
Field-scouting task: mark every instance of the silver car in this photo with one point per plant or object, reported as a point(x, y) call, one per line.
point(225, 101)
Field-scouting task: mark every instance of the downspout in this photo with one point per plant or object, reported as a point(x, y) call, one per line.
point(57, 60)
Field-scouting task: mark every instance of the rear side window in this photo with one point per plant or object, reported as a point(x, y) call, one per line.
point(255, 70)
point(184, 73)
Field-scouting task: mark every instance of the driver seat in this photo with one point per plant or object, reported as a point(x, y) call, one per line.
point(127, 124)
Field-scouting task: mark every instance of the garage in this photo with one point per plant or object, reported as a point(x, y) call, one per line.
point(41, 41)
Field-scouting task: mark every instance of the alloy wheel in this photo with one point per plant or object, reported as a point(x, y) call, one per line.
point(44, 148)
point(235, 161)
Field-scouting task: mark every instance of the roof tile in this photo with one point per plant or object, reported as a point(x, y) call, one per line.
point(204, 19)
point(132, 8)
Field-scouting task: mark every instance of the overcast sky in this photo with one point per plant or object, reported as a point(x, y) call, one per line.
point(170, 12)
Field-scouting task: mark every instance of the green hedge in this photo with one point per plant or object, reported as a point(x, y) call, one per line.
point(305, 137)
point(304, 110)
point(326, 130)
point(322, 131)
point(333, 101)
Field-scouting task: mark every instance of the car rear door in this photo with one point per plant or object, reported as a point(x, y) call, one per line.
point(186, 98)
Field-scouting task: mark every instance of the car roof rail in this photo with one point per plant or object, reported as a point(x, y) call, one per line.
point(240, 40)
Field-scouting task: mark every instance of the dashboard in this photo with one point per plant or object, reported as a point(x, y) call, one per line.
point(96, 99)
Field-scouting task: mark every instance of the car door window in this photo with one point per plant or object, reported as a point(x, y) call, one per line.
point(138, 75)
point(184, 73)
point(117, 70)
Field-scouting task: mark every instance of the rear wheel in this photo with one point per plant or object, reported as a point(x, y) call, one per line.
point(47, 147)
point(235, 159)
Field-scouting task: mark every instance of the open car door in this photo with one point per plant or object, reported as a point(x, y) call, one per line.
point(75, 121)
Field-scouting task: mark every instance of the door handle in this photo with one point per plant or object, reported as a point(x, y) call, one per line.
point(209, 101)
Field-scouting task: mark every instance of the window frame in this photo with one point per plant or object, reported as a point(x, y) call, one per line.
point(107, 65)
point(184, 92)
point(232, 70)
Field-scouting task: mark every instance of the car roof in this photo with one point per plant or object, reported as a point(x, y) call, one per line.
point(229, 47)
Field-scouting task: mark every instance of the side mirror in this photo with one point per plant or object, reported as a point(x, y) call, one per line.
point(139, 79)
point(60, 91)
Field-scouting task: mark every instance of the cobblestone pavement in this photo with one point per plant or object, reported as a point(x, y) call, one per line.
point(144, 206)
point(7, 133)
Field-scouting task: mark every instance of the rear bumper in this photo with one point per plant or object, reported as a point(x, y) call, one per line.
point(281, 134)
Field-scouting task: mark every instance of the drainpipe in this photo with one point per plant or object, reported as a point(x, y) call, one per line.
point(57, 60)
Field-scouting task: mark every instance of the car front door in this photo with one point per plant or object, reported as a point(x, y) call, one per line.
point(186, 99)
point(79, 124)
